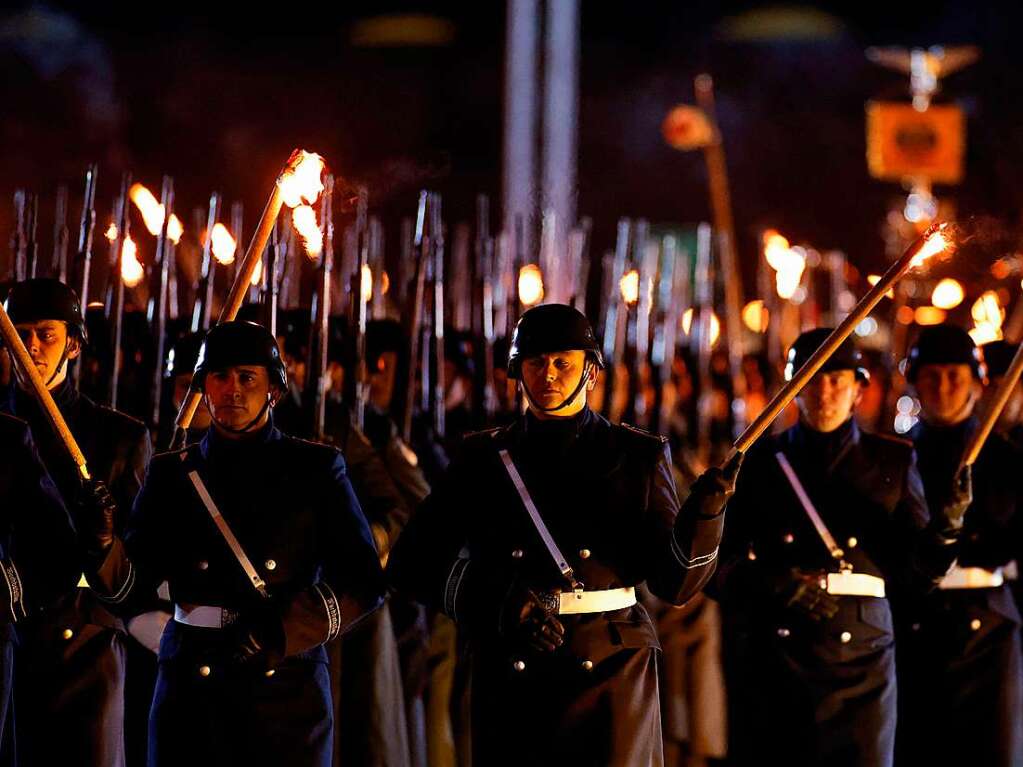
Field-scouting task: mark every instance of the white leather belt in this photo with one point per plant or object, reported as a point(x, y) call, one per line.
point(852, 584)
point(204, 616)
point(606, 600)
point(972, 578)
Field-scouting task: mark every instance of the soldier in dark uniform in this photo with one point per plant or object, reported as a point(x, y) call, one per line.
point(997, 358)
point(811, 641)
point(38, 551)
point(267, 555)
point(959, 648)
point(564, 659)
point(72, 712)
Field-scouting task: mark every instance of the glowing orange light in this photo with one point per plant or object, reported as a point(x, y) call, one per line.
point(715, 325)
point(937, 243)
point(304, 219)
point(303, 183)
point(152, 214)
point(257, 273)
point(530, 285)
point(986, 310)
point(366, 283)
point(873, 279)
point(776, 248)
point(385, 283)
point(1001, 268)
point(787, 262)
point(629, 287)
point(755, 316)
point(223, 244)
point(111, 232)
point(905, 315)
point(131, 270)
point(929, 315)
point(175, 229)
point(948, 294)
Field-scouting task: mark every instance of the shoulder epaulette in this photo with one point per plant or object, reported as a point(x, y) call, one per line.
point(483, 434)
point(659, 439)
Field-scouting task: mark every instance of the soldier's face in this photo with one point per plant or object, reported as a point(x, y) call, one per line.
point(828, 400)
point(550, 378)
point(947, 392)
point(236, 395)
point(201, 419)
point(46, 341)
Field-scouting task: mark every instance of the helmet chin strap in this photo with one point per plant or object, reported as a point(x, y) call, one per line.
point(569, 399)
point(246, 427)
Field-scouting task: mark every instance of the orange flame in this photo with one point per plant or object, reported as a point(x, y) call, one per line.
point(152, 214)
point(223, 244)
point(776, 249)
point(715, 325)
point(111, 232)
point(937, 242)
point(756, 316)
point(873, 279)
point(629, 287)
point(304, 219)
point(530, 285)
point(257, 273)
point(304, 182)
point(131, 270)
point(366, 283)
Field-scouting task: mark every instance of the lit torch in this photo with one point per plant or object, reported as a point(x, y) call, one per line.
point(303, 218)
point(132, 270)
point(1009, 382)
point(223, 244)
point(937, 239)
point(300, 180)
point(530, 285)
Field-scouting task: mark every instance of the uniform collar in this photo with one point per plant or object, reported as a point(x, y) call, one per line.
point(64, 394)
point(827, 448)
point(217, 446)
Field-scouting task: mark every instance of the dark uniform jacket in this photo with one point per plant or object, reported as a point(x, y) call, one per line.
point(74, 652)
point(608, 498)
point(38, 551)
point(292, 508)
point(820, 693)
point(959, 662)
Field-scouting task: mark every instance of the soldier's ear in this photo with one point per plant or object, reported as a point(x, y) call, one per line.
point(74, 347)
point(591, 377)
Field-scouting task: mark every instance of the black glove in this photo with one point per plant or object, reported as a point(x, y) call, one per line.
point(958, 502)
point(96, 520)
point(802, 592)
point(529, 618)
point(258, 639)
point(712, 489)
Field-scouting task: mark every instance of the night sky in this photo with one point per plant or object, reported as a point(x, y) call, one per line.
point(219, 100)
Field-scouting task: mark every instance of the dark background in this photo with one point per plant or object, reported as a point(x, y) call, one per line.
point(217, 96)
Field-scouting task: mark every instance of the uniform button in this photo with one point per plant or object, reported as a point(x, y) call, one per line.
point(271, 672)
point(587, 665)
point(204, 565)
point(519, 665)
point(67, 633)
point(204, 670)
point(270, 564)
point(584, 553)
point(975, 624)
point(784, 632)
point(517, 554)
point(853, 543)
point(788, 538)
point(845, 637)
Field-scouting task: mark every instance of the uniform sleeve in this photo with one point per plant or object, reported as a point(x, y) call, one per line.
point(43, 562)
point(136, 563)
point(683, 543)
point(930, 554)
point(381, 500)
point(127, 483)
point(430, 562)
point(350, 584)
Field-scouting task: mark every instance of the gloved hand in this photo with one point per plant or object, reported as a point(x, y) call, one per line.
point(258, 639)
point(96, 518)
point(712, 489)
point(530, 618)
point(801, 591)
point(954, 510)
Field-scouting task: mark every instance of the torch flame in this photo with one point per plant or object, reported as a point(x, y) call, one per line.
point(304, 219)
point(937, 242)
point(131, 270)
point(152, 214)
point(222, 244)
point(787, 262)
point(530, 285)
point(175, 229)
point(111, 232)
point(715, 325)
point(948, 294)
point(366, 283)
point(629, 287)
point(303, 182)
point(756, 316)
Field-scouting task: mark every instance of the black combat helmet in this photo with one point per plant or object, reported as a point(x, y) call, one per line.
point(45, 298)
point(998, 356)
point(182, 355)
point(944, 345)
point(239, 343)
point(551, 328)
point(846, 356)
